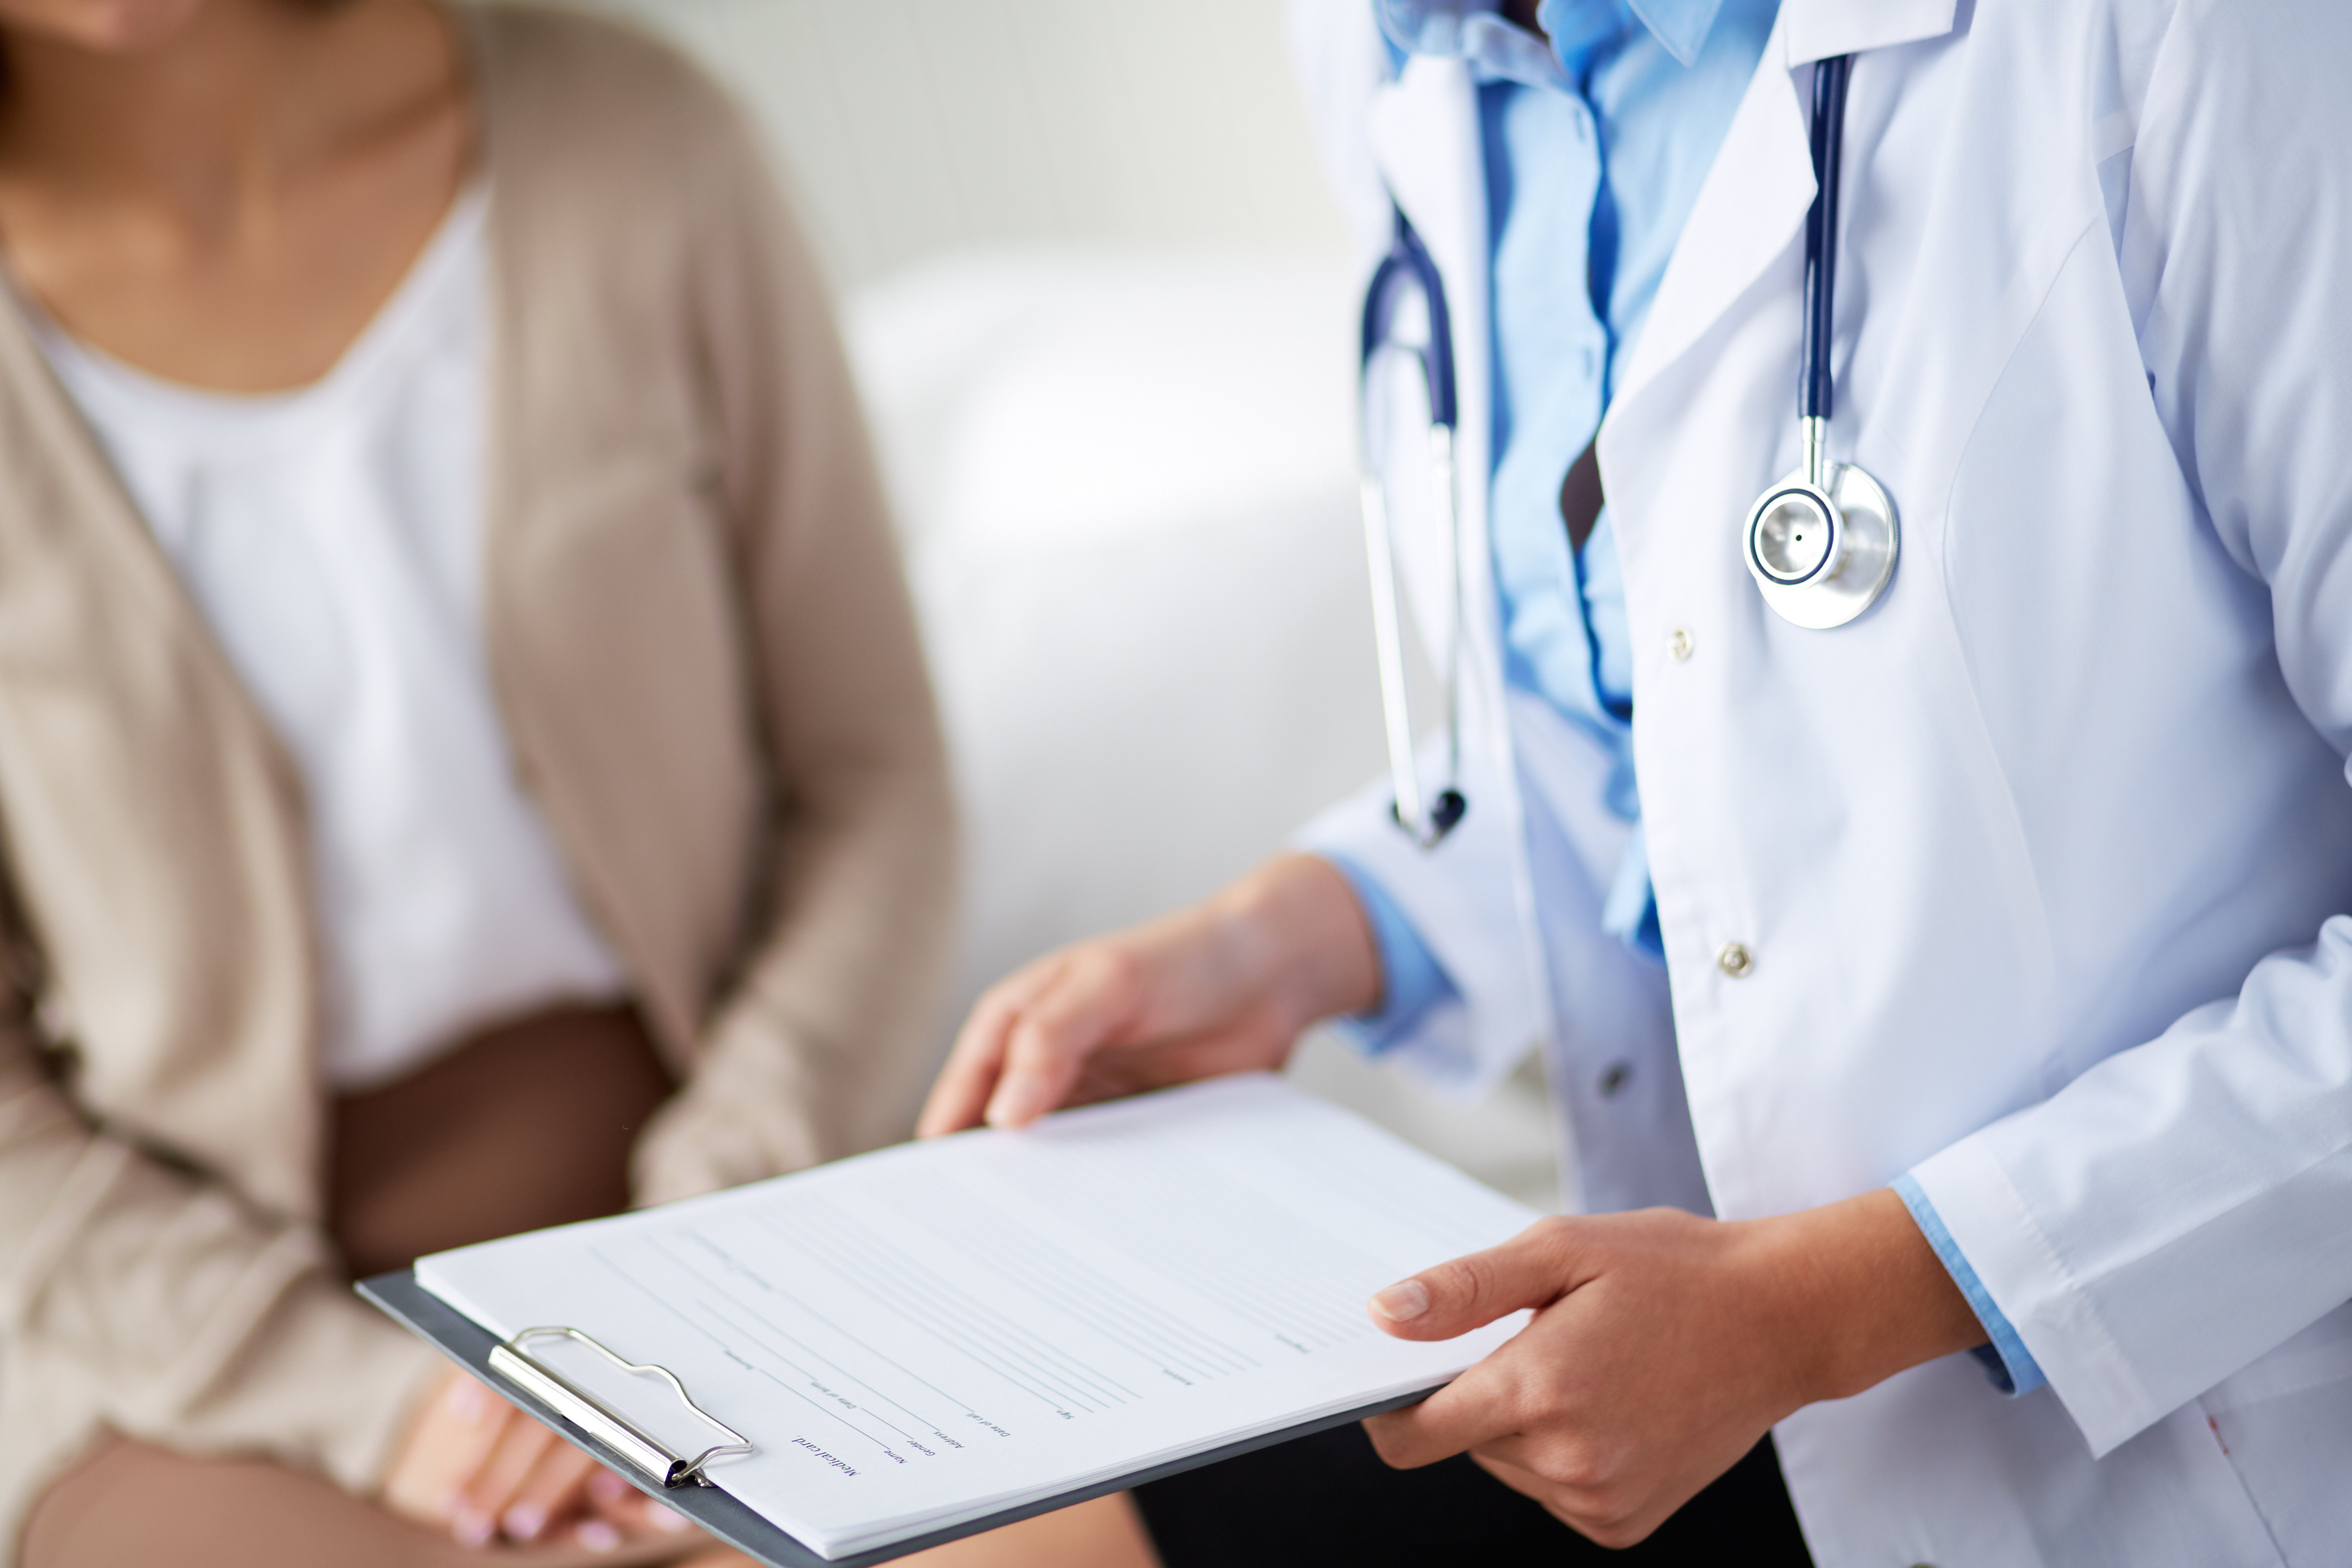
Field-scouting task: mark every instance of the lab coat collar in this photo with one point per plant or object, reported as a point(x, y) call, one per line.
point(1753, 204)
point(1424, 135)
point(1818, 30)
point(1747, 215)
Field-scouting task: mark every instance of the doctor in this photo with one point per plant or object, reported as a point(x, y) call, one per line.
point(1970, 977)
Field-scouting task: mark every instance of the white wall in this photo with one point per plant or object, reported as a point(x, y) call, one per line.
point(1126, 490)
point(913, 127)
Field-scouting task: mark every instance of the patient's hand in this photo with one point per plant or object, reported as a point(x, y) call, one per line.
point(1224, 986)
point(480, 1467)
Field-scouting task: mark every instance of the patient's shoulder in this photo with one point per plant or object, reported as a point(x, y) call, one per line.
point(565, 92)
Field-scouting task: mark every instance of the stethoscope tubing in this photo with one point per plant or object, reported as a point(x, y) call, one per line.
point(1428, 819)
point(1823, 542)
point(1408, 256)
point(1815, 391)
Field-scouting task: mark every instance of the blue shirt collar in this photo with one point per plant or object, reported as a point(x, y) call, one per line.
point(1474, 30)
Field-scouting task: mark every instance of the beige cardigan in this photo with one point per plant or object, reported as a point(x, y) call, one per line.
point(703, 652)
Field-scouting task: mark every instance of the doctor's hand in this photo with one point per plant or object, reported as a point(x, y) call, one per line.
point(1663, 1347)
point(1224, 986)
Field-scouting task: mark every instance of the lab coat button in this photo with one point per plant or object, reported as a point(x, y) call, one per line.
point(1735, 960)
point(1679, 645)
point(1614, 1079)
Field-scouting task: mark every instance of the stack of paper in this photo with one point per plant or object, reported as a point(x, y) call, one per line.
point(928, 1335)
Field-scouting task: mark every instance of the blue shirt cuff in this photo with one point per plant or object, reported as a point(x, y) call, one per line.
point(2006, 1362)
point(1412, 981)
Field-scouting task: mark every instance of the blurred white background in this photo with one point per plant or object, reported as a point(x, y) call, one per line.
point(1101, 306)
point(913, 128)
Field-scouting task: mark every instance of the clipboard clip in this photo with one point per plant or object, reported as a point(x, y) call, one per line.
point(660, 1463)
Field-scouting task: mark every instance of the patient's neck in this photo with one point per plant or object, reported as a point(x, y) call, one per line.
point(228, 204)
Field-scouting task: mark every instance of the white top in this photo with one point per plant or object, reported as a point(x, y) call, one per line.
point(332, 537)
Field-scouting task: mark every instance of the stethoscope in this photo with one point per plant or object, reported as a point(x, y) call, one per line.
point(1821, 544)
point(1407, 271)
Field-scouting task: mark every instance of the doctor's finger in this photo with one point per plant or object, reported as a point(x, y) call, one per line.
point(1580, 1510)
point(1534, 1268)
point(961, 1093)
point(1475, 1409)
point(1617, 1511)
point(959, 1096)
point(1091, 1000)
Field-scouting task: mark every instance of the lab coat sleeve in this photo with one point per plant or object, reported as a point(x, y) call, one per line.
point(2005, 1357)
point(2185, 1206)
point(1512, 979)
point(1459, 899)
point(1411, 980)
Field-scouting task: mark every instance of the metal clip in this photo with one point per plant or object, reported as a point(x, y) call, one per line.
point(657, 1459)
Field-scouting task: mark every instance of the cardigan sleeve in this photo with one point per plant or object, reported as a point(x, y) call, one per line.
point(823, 1045)
point(137, 1296)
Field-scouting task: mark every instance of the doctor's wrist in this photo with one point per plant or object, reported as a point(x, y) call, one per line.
point(1864, 1296)
point(1294, 926)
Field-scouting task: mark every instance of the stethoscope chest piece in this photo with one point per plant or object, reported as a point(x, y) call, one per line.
point(1821, 551)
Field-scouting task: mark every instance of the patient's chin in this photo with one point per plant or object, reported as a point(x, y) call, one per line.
point(100, 26)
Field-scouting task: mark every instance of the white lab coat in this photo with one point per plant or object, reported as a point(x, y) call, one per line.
point(2043, 863)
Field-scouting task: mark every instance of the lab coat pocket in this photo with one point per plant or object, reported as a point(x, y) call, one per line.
point(2285, 1423)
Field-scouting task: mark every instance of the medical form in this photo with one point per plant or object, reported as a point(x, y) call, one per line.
point(935, 1332)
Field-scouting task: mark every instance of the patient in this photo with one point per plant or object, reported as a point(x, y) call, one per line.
point(465, 759)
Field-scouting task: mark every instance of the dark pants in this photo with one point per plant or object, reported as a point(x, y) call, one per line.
point(1328, 1498)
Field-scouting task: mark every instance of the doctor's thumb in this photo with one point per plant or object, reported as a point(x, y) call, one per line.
point(1534, 1268)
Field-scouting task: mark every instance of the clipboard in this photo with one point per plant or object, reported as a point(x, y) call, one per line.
point(681, 1481)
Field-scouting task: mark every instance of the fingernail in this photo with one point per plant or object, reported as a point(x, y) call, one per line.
point(473, 1527)
point(525, 1521)
point(597, 1536)
point(1403, 1302)
point(468, 1401)
point(664, 1517)
point(606, 1486)
point(1011, 1108)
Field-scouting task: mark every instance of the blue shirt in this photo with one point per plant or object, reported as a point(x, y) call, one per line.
point(1595, 148)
